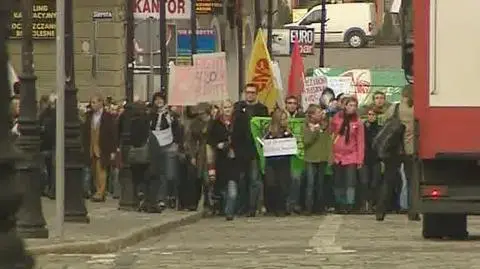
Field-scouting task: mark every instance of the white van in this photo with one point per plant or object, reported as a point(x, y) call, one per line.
point(353, 23)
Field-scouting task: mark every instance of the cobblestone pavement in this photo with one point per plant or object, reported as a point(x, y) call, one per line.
point(328, 242)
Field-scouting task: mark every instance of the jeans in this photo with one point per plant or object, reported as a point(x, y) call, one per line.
point(404, 190)
point(345, 181)
point(113, 182)
point(87, 180)
point(370, 180)
point(315, 185)
point(249, 175)
point(230, 195)
point(294, 194)
point(166, 161)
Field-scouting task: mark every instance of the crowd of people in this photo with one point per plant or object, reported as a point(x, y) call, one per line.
point(180, 154)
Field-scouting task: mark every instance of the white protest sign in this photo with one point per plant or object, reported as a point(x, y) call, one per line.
point(340, 85)
point(312, 90)
point(211, 77)
point(175, 9)
point(279, 147)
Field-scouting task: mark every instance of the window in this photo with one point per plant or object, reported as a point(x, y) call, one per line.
point(314, 17)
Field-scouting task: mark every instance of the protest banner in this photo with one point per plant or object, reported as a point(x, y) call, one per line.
point(340, 85)
point(258, 127)
point(280, 147)
point(211, 77)
point(181, 86)
point(205, 81)
point(312, 91)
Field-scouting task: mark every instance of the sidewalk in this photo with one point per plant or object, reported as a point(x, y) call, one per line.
point(109, 230)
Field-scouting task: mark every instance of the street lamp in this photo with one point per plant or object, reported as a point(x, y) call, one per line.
point(12, 249)
point(128, 195)
point(75, 210)
point(30, 220)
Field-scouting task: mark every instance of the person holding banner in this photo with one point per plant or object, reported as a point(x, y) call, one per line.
point(277, 152)
point(349, 151)
point(224, 168)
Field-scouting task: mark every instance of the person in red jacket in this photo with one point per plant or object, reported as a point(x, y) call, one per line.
point(348, 151)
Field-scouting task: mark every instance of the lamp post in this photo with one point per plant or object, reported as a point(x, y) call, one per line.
point(30, 220)
point(12, 249)
point(321, 60)
point(128, 196)
point(75, 210)
point(162, 20)
point(241, 63)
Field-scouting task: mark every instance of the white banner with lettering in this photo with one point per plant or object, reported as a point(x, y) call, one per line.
point(341, 85)
point(312, 90)
point(175, 9)
point(279, 147)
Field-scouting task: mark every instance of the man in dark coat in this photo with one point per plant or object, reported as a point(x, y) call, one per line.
point(100, 144)
point(246, 153)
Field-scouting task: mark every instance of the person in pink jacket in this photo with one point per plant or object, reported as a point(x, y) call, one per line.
point(348, 151)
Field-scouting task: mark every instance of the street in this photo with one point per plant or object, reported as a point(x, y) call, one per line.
point(333, 241)
point(368, 58)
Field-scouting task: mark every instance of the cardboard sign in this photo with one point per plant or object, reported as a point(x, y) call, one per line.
point(340, 85)
point(312, 91)
point(280, 147)
point(175, 9)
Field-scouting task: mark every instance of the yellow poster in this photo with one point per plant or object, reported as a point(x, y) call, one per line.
point(260, 72)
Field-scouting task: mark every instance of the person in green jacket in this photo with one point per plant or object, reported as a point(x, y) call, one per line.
point(318, 154)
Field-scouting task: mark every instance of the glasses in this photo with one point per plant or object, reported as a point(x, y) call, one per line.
point(250, 92)
point(372, 114)
point(291, 103)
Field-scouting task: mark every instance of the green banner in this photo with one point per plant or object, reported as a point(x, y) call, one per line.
point(368, 81)
point(259, 127)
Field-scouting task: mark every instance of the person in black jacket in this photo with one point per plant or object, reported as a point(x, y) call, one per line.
point(371, 173)
point(246, 153)
point(220, 138)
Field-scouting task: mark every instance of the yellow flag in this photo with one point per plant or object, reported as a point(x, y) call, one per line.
point(260, 72)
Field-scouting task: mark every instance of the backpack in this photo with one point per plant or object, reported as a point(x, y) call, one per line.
point(389, 140)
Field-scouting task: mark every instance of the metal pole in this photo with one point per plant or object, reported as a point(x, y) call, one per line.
point(12, 252)
point(241, 63)
point(30, 220)
point(322, 34)
point(128, 196)
point(60, 120)
point(163, 47)
point(258, 15)
point(270, 28)
point(193, 27)
point(75, 210)
point(151, 63)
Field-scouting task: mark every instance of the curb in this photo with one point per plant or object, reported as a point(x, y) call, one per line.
point(115, 244)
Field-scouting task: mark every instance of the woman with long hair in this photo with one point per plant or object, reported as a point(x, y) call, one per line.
point(220, 140)
point(277, 168)
point(348, 152)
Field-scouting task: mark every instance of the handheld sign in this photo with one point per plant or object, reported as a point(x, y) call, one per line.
point(279, 147)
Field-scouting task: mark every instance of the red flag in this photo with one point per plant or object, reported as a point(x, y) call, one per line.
point(296, 77)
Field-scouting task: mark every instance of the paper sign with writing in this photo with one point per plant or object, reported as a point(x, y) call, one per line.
point(340, 85)
point(181, 86)
point(279, 147)
point(312, 91)
point(210, 77)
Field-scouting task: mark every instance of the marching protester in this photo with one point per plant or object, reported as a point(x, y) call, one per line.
point(246, 153)
point(348, 150)
point(220, 140)
point(294, 111)
point(400, 150)
point(277, 168)
point(317, 143)
point(371, 172)
point(199, 153)
point(100, 141)
point(164, 127)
